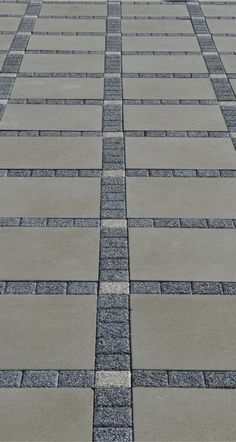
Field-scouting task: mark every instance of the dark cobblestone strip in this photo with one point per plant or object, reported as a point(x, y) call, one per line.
point(183, 173)
point(168, 102)
point(174, 133)
point(202, 223)
point(49, 222)
point(183, 288)
point(148, 133)
point(113, 400)
point(59, 173)
point(48, 288)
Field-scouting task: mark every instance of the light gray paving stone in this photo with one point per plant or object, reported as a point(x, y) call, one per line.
point(168, 43)
point(225, 44)
point(63, 88)
point(193, 332)
point(66, 43)
point(154, 10)
point(163, 64)
point(156, 26)
point(41, 413)
point(47, 331)
point(179, 153)
point(167, 88)
point(50, 152)
point(229, 62)
point(222, 26)
point(233, 84)
point(49, 254)
point(9, 23)
point(171, 117)
point(184, 414)
point(73, 10)
point(180, 198)
point(5, 41)
point(12, 8)
point(69, 63)
point(2, 58)
point(53, 117)
point(206, 254)
point(219, 10)
point(44, 197)
point(69, 25)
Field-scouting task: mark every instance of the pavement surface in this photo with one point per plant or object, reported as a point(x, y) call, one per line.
point(117, 221)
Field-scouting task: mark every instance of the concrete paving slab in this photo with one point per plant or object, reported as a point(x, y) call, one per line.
point(179, 153)
point(206, 254)
point(53, 117)
point(69, 25)
point(233, 84)
point(66, 43)
point(50, 152)
point(207, 331)
point(171, 117)
point(40, 414)
point(219, 10)
point(5, 41)
point(62, 88)
point(46, 332)
point(163, 64)
point(139, 43)
point(149, 25)
point(184, 414)
point(222, 26)
point(225, 43)
point(12, 8)
point(9, 23)
point(168, 88)
point(229, 62)
point(49, 254)
point(50, 197)
point(73, 9)
point(74, 63)
point(154, 10)
point(2, 58)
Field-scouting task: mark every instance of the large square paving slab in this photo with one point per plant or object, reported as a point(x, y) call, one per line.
point(50, 152)
point(69, 25)
point(9, 23)
point(182, 254)
point(49, 254)
point(44, 414)
point(171, 117)
point(67, 88)
point(52, 117)
point(73, 10)
point(186, 415)
point(71, 63)
point(139, 43)
point(66, 43)
point(47, 332)
point(225, 44)
point(179, 153)
point(167, 88)
point(50, 197)
point(154, 10)
point(229, 62)
point(12, 8)
point(157, 26)
point(181, 198)
point(163, 64)
point(207, 332)
point(5, 41)
point(222, 26)
point(219, 10)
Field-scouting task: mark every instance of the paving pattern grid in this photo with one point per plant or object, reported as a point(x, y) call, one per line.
point(117, 220)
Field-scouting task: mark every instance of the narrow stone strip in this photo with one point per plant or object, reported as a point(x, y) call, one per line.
point(48, 288)
point(199, 223)
point(183, 288)
point(183, 173)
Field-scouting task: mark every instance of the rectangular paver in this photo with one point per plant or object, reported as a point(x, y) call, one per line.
point(184, 414)
point(73, 10)
point(163, 64)
point(206, 333)
point(219, 10)
point(180, 153)
point(154, 10)
point(168, 88)
point(181, 197)
point(9, 23)
point(229, 62)
point(52, 117)
point(50, 152)
point(47, 197)
point(233, 84)
point(49, 254)
point(171, 117)
point(72, 88)
point(2, 58)
point(225, 44)
point(139, 43)
point(69, 25)
point(149, 25)
point(12, 8)
point(71, 63)
point(5, 41)
point(182, 254)
point(222, 26)
point(40, 414)
point(46, 332)
point(66, 43)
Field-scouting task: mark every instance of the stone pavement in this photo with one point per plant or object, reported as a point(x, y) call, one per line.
point(117, 221)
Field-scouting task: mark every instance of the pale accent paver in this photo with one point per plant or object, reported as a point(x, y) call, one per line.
point(163, 64)
point(171, 117)
point(47, 197)
point(5, 41)
point(149, 25)
point(49, 254)
point(45, 331)
point(225, 43)
point(9, 23)
point(140, 43)
point(179, 153)
point(73, 88)
point(12, 8)
point(168, 88)
point(66, 43)
point(50, 152)
point(154, 10)
point(74, 63)
point(206, 254)
point(43, 414)
point(2, 58)
point(222, 26)
point(193, 332)
point(53, 117)
point(185, 415)
point(72, 10)
point(229, 62)
point(69, 25)
point(181, 198)
point(233, 84)
point(219, 10)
